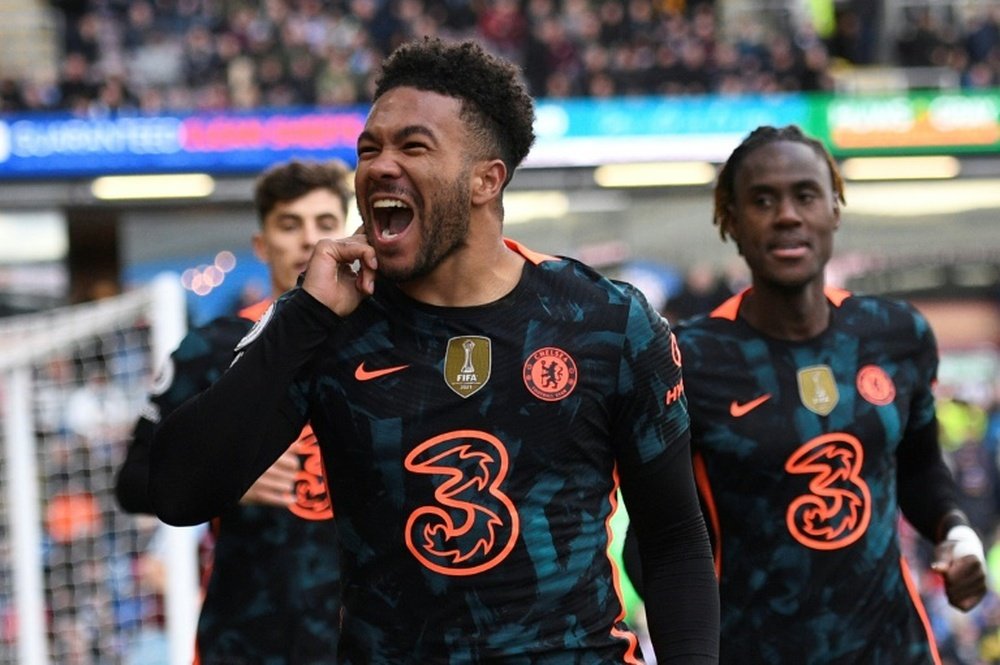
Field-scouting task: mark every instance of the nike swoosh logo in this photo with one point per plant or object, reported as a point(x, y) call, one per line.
point(737, 410)
point(362, 374)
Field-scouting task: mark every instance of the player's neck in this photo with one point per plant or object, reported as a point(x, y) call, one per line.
point(794, 315)
point(469, 277)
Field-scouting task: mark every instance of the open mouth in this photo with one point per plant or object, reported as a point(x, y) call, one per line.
point(788, 243)
point(392, 217)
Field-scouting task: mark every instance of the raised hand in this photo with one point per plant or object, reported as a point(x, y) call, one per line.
point(341, 273)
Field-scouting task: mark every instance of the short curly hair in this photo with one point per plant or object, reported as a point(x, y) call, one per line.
point(495, 102)
point(725, 193)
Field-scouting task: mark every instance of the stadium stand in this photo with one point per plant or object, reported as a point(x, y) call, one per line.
point(126, 57)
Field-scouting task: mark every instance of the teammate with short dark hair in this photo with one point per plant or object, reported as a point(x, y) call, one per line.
point(273, 593)
point(477, 405)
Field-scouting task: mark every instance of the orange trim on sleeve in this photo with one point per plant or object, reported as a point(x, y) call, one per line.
point(918, 604)
point(531, 255)
point(705, 490)
point(631, 657)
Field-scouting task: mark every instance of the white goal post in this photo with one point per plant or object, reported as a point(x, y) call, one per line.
point(82, 582)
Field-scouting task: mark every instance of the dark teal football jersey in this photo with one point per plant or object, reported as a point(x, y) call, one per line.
point(474, 455)
point(795, 449)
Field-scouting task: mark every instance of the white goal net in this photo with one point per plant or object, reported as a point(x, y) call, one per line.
point(81, 582)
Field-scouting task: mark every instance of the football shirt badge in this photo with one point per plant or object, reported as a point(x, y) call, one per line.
point(468, 361)
point(818, 389)
point(550, 374)
point(875, 385)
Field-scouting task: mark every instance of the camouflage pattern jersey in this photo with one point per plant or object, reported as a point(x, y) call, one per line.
point(474, 456)
point(795, 447)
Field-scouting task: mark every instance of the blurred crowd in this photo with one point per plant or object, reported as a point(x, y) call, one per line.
point(970, 438)
point(123, 56)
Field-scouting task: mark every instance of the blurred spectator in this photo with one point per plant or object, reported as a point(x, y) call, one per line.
point(977, 478)
point(703, 291)
point(113, 98)
point(76, 85)
point(201, 62)
point(503, 28)
point(982, 36)
point(923, 42)
point(82, 36)
point(11, 96)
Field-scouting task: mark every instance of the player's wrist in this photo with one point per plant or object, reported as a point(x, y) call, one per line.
point(949, 520)
point(966, 542)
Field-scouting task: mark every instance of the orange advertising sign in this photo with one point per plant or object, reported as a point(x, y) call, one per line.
point(908, 122)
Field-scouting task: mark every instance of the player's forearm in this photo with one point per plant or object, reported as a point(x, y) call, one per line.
point(680, 590)
point(682, 603)
point(925, 487)
point(208, 452)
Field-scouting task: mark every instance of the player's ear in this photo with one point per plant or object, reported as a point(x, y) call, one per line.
point(728, 225)
point(488, 179)
point(260, 247)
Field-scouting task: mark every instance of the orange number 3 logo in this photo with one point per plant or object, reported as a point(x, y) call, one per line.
point(837, 510)
point(473, 526)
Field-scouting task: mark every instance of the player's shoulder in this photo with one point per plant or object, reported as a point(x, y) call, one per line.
point(580, 281)
point(882, 312)
point(567, 281)
point(694, 324)
point(224, 325)
point(627, 292)
point(222, 332)
point(705, 335)
point(876, 303)
point(723, 318)
point(203, 353)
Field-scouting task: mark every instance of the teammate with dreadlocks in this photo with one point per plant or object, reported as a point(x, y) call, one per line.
point(812, 423)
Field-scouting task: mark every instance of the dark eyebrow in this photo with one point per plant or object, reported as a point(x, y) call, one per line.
point(761, 188)
point(404, 133)
point(795, 186)
point(411, 130)
point(807, 184)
